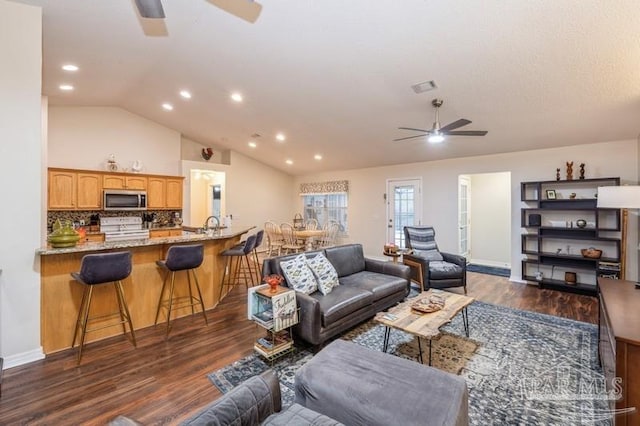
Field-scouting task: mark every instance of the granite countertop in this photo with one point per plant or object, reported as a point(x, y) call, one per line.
point(109, 245)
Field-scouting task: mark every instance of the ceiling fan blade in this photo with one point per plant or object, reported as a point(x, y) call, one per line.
point(150, 9)
point(455, 125)
point(467, 133)
point(414, 130)
point(410, 137)
point(248, 10)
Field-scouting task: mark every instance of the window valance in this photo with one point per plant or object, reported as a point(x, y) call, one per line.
point(332, 187)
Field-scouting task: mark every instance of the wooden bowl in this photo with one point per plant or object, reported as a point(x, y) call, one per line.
point(591, 253)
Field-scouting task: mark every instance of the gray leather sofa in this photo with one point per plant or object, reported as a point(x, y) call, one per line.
point(367, 286)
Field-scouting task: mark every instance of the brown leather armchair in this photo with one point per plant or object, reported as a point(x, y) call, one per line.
point(430, 267)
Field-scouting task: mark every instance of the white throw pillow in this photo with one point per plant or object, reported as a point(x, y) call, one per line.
point(298, 274)
point(324, 272)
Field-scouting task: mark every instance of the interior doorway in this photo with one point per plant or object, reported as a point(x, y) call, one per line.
point(207, 196)
point(484, 218)
point(404, 207)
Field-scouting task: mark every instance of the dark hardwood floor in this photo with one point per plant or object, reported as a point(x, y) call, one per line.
point(165, 381)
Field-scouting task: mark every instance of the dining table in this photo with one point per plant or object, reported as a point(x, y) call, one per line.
point(308, 236)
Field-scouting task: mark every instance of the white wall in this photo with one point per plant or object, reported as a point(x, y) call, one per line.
point(84, 137)
point(21, 167)
point(440, 188)
point(491, 219)
point(254, 192)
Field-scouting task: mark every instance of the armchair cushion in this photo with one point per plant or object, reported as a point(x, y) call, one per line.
point(441, 270)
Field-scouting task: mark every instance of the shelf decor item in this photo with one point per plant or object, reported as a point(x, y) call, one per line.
point(591, 253)
point(570, 278)
point(63, 235)
point(207, 153)
point(558, 174)
point(581, 223)
point(581, 171)
point(569, 170)
point(274, 280)
point(551, 194)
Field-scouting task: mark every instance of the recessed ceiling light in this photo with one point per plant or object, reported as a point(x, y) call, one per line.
point(185, 94)
point(236, 97)
point(70, 67)
point(252, 144)
point(281, 137)
point(66, 87)
point(318, 157)
point(167, 106)
point(289, 162)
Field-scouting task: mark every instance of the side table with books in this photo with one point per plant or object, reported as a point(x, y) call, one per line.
point(275, 311)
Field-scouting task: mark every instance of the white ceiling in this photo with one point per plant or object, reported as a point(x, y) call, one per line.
point(335, 75)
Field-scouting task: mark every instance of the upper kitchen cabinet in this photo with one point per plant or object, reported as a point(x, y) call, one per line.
point(164, 193)
point(89, 194)
point(62, 190)
point(71, 190)
point(117, 181)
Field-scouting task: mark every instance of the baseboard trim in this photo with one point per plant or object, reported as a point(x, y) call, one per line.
point(514, 279)
point(23, 358)
point(490, 263)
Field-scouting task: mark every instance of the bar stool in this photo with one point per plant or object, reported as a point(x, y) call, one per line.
point(181, 258)
point(240, 251)
point(254, 252)
point(98, 269)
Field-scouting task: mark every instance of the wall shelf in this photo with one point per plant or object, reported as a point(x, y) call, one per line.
point(552, 240)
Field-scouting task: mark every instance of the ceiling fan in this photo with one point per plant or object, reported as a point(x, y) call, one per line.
point(248, 10)
point(437, 133)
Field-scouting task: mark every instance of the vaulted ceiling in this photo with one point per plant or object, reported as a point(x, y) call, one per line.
point(335, 76)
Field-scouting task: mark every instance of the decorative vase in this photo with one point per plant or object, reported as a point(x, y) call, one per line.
point(273, 286)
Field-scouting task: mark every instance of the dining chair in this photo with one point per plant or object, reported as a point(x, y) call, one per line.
point(274, 239)
point(311, 224)
point(291, 243)
point(330, 238)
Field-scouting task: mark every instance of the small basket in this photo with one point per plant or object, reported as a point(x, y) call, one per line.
point(298, 222)
point(591, 253)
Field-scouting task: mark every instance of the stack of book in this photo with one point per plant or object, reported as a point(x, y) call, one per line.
point(264, 318)
point(273, 344)
point(609, 269)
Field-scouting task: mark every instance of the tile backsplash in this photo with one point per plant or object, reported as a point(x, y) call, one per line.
point(165, 217)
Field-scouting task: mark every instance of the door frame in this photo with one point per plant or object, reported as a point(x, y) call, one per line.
point(464, 180)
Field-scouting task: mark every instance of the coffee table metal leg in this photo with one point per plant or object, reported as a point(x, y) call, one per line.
point(387, 332)
point(465, 320)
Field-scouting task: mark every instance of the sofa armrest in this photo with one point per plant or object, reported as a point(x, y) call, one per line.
point(251, 402)
point(454, 258)
point(388, 268)
point(310, 320)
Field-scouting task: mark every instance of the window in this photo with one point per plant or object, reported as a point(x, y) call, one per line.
point(325, 201)
point(326, 207)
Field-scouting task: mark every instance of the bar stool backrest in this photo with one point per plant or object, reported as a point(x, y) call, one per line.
point(180, 258)
point(250, 244)
point(259, 237)
point(105, 267)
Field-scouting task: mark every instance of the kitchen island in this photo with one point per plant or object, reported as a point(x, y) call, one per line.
point(61, 295)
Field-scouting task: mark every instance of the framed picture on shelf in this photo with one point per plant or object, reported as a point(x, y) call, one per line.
point(551, 194)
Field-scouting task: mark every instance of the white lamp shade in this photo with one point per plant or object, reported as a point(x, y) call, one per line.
point(619, 197)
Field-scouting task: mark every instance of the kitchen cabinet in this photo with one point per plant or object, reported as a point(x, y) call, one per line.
point(89, 191)
point(163, 233)
point(62, 190)
point(118, 181)
point(560, 219)
point(174, 193)
point(164, 193)
point(71, 189)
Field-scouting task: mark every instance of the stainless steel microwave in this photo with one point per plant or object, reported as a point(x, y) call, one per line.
point(121, 199)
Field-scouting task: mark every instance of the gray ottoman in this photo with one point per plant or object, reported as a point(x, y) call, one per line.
point(359, 386)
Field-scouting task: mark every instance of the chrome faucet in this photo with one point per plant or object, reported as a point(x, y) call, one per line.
point(206, 223)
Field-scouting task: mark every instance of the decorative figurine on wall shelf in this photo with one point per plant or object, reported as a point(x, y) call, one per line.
point(558, 173)
point(207, 153)
point(581, 170)
point(112, 165)
point(569, 170)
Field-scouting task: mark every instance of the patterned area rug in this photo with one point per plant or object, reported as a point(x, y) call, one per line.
point(520, 367)
point(490, 270)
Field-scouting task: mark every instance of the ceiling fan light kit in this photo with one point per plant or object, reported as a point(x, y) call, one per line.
point(437, 134)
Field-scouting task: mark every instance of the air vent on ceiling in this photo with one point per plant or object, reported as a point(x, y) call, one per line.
point(255, 135)
point(425, 86)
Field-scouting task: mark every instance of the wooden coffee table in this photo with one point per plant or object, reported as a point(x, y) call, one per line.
point(423, 325)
